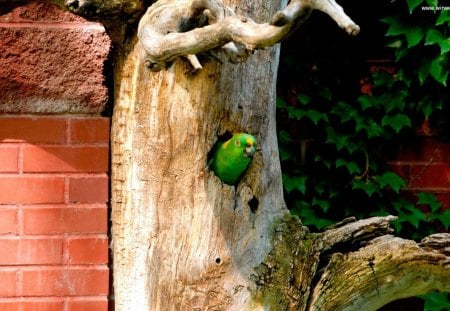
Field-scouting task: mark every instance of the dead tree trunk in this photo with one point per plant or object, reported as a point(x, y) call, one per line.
point(182, 239)
point(187, 241)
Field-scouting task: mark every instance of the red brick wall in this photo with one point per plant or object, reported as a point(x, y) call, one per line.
point(54, 160)
point(53, 212)
point(425, 165)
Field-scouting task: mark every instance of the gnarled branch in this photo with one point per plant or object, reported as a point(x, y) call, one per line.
point(171, 29)
point(356, 265)
point(387, 269)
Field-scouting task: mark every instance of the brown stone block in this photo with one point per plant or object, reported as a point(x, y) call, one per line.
point(52, 67)
point(38, 10)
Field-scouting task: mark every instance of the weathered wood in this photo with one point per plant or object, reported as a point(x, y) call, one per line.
point(183, 240)
point(164, 36)
point(387, 269)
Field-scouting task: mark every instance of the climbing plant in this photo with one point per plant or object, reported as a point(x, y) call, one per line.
point(335, 139)
point(341, 120)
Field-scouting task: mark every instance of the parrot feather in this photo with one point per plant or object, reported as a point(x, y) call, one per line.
point(232, 157)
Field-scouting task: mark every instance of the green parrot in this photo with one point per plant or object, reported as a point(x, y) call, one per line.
point(232, 157)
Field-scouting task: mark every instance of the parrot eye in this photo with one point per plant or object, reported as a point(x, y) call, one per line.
point(237, 143)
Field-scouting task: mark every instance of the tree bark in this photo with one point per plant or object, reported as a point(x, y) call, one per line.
point(183, 240)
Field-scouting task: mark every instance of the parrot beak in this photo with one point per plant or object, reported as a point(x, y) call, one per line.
point(249, 151)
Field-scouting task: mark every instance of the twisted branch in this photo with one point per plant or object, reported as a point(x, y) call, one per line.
point(171, 29)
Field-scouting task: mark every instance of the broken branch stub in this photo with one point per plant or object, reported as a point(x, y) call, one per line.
point(170, 29)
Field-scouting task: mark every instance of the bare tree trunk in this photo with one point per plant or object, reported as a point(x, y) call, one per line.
point(182, 239)
point(187, 241)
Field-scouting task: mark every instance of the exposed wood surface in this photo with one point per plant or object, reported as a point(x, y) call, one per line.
point(182, 240)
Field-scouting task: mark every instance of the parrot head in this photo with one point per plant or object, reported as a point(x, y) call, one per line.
point(245, 143)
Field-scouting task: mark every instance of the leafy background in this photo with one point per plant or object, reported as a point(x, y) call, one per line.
point(346, 104)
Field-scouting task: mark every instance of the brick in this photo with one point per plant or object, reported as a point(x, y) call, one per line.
point(53, 68)
point(445, 199)
point(60, 220)
point(36, 11)
point(19, 304)
point(89, 189)
point(65, 281)
point(88, 304)
point(8, 282)
point(89, 130)
point(28, 189)
point(65, 159)
point(423, 149)
point(32, 129)
point(8, 220)
point(88, 250)
point(430, 176)
point(26, 251)
point(8, 158)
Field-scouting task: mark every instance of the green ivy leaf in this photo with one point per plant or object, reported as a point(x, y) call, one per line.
point(414, 36)
point(433, 36)
point(366, 101)
point(412, 4)
point(424, 69)
point(413, 218)
point(371, 128)
point(315, 116)
point(351, 166)
point(323, 204)
point(432, 3)
point(304, 99)
point(382, 78)
point(284, 155)
point(308, 216)
point(409, 213)
point(443, 18)
point(436, 301)
point(284, 137)
point(368, 187)
point(445, 45)
point(345, 111)
point(438, 72)
point(401, 53)
point(442, 217)
point(430, 200)
point(397, 121)
point(396, 26)
point(396, 101)
point(292, 183)
point(322, 161)
point(391, 180)
point(281, 103)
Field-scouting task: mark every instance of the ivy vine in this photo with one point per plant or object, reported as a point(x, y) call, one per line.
point(337, 131)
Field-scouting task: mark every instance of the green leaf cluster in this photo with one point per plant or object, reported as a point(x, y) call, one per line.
point(335, 142)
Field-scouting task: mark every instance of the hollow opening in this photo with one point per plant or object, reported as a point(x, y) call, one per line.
point(254, 205)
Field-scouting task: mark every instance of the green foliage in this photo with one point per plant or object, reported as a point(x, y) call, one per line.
point(436, 302)
point(334, 141)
